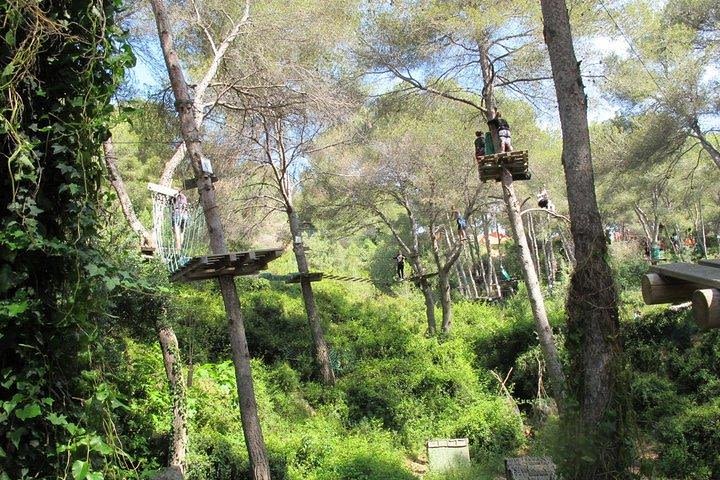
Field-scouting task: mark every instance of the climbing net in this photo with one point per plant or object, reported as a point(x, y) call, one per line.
point(180, 232)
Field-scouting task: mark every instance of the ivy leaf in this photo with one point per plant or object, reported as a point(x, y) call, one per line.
point(15, 309)
point(80, 469)
point(112, 282)
point(56, 419)
point(16, 435)
point(94, 270)
point(8, 70)
point(28, 411)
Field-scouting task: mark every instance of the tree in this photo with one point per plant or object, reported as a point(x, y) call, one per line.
point(241, 355)
point(669, 70)
point(405, 170)
point(61, 65)
point(283, 138)
point(454, 39)
point(593, 319)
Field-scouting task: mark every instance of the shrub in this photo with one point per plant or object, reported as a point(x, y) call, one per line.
point(689, 443)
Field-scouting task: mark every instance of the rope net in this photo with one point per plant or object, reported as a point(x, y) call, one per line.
point(179, 229)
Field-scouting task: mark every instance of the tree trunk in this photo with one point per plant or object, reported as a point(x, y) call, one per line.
point(537, 303)
point(471, 274)
point(238, 341)
point(459, 270)
point(322, 352)
point(533, 242)
point(542, 326)
point(146, 238)
point(593, 320)
point(444, 269)
point(568, 247)
point(707, 146)
point(445, 300)
point(173, 369)
point(427, 291)
point(492, 274)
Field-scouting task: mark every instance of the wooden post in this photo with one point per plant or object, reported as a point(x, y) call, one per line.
point(657, 289)
point(241, 355)
point(706, 307)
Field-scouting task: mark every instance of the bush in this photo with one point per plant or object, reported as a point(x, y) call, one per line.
point(690, 442)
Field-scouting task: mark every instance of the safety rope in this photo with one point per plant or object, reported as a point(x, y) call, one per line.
point(176, 245)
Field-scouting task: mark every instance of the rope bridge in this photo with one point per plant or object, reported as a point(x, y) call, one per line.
point(182, 241)
point(178, 225)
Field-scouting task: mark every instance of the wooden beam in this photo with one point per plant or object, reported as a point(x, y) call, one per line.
point(710, 262)
point(657, 289)
point(706, 307)
point(170, 192)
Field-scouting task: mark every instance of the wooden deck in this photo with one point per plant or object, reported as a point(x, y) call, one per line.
point(417, 278)
point(234, 264)
point(311, 277)
point(682, 282)
point(490, 166)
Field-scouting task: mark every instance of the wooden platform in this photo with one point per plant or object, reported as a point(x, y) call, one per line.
point(311, 277)
point(234, 264)
point(490, 166)
point(683, 282)
point(417, 278)
point(530, 468)
point(702, 274)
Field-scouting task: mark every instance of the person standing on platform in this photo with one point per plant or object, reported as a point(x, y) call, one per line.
point(479, 144)
point(503, 129)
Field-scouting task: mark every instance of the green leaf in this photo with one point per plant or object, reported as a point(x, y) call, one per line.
point(17, 308)
point(56, 419)
point(112, 282)
point(8, 70)
point(10, 38)
point(80, 469)
point(16, 435)
point(95, 476)
point(94, 270)
point(28, 411)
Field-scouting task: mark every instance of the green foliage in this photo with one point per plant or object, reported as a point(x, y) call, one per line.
point(688, 443)
point(673, 391)
point(62, 63)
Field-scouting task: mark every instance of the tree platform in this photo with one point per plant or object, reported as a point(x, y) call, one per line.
point(490, 166)
point(311, 277)
point(417, 278)
point(682, 282)
point(234, 264)
point(530, 468)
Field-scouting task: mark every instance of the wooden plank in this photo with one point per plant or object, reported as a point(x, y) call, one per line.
point(700, 274)
point(170, 192)
point(530, 468)
point(235, 263)
point(710, 262)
